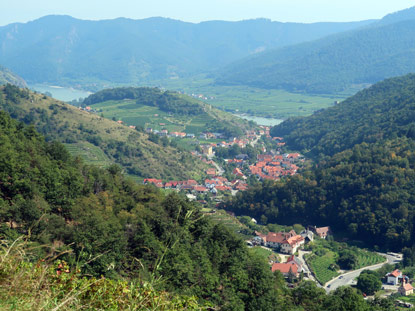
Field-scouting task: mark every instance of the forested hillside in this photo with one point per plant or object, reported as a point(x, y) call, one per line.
point(165, 101)
point(384, 111)
point(61, 50)
point(363, 181)
point(6, 76)
point(148, 107)
point(83, 222)
point(336, 63)
point(100, 137)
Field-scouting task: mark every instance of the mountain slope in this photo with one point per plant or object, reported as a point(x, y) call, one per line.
point(336, 63)
point(383, 111)
point(150, 107)
point(120, 144)
point(77, 52)
point(6, 76)
point(94, 228)
point(363, 182)
point(75, 237)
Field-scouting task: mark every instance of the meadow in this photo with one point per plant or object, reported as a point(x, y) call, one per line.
point(323, 259)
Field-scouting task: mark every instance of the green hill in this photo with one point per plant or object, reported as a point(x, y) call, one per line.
point(383, 111)
point(156, 109)
point(61, 50)
point(91, 239)
point(6, 76)
point(363, 183)
point(77, 237)
point(336, 63)
point(99, 140)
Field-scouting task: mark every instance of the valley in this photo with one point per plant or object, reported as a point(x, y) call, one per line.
point(253, 165)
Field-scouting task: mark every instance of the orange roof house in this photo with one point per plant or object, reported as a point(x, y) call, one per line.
point(285, 268)
point(406, 288)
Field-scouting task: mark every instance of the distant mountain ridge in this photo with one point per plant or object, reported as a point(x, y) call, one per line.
point(67, 51)
point(338, 62)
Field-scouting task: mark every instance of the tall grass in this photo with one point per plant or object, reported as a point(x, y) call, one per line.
point(53, 285)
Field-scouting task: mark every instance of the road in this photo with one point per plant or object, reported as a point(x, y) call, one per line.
point(218, 168)
point(348, 278)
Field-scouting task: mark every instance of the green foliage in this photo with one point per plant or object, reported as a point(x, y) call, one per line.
point(366, 191)
point(347, 260)
point(54, 285)
point(383, 111)
point(165, 101)
point(156, 109)
point(112, 142)
point(106, 225)
point(369, 282)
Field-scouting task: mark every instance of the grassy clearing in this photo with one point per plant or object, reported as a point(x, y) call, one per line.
point(272, 103)
point(89, 153)
point(260, 251)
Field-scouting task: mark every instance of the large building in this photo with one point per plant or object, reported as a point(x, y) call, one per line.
point(286, 242)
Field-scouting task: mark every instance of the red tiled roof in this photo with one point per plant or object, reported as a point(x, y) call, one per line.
point(200, 188)
point(285, 268)
point(395, 273)
point(407, 287)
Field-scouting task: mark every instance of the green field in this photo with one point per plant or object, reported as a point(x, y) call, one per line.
point(267, 254)
point(89, 153)
point(366, 258)
point(320, 265)
point(146, 116)
point(254, 101)
point(325, 253)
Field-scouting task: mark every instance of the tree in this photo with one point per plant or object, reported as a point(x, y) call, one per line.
point(368, 282)
point(347, 260)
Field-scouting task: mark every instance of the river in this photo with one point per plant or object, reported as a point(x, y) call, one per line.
point(60, 93)
point(260, 120)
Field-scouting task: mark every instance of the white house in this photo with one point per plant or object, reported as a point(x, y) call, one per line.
point(393, 277)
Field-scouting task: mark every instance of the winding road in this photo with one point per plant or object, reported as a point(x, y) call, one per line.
point(348, 278)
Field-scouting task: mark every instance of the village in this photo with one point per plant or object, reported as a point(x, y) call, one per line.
point(292, 250)
point(271, 165)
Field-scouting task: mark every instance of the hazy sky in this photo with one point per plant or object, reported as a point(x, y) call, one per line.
point(201, 10)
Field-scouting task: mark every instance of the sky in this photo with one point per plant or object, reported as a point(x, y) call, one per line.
point(306, 11)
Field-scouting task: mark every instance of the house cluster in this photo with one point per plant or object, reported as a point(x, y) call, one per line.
point(213, 184)
point(166, 133)
point(88, 109)
point(268, 166)
point(209, 135)
point(285, 242)
point(396, 278)
point(290, 242)
point(292, 267)
point(274, 167)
